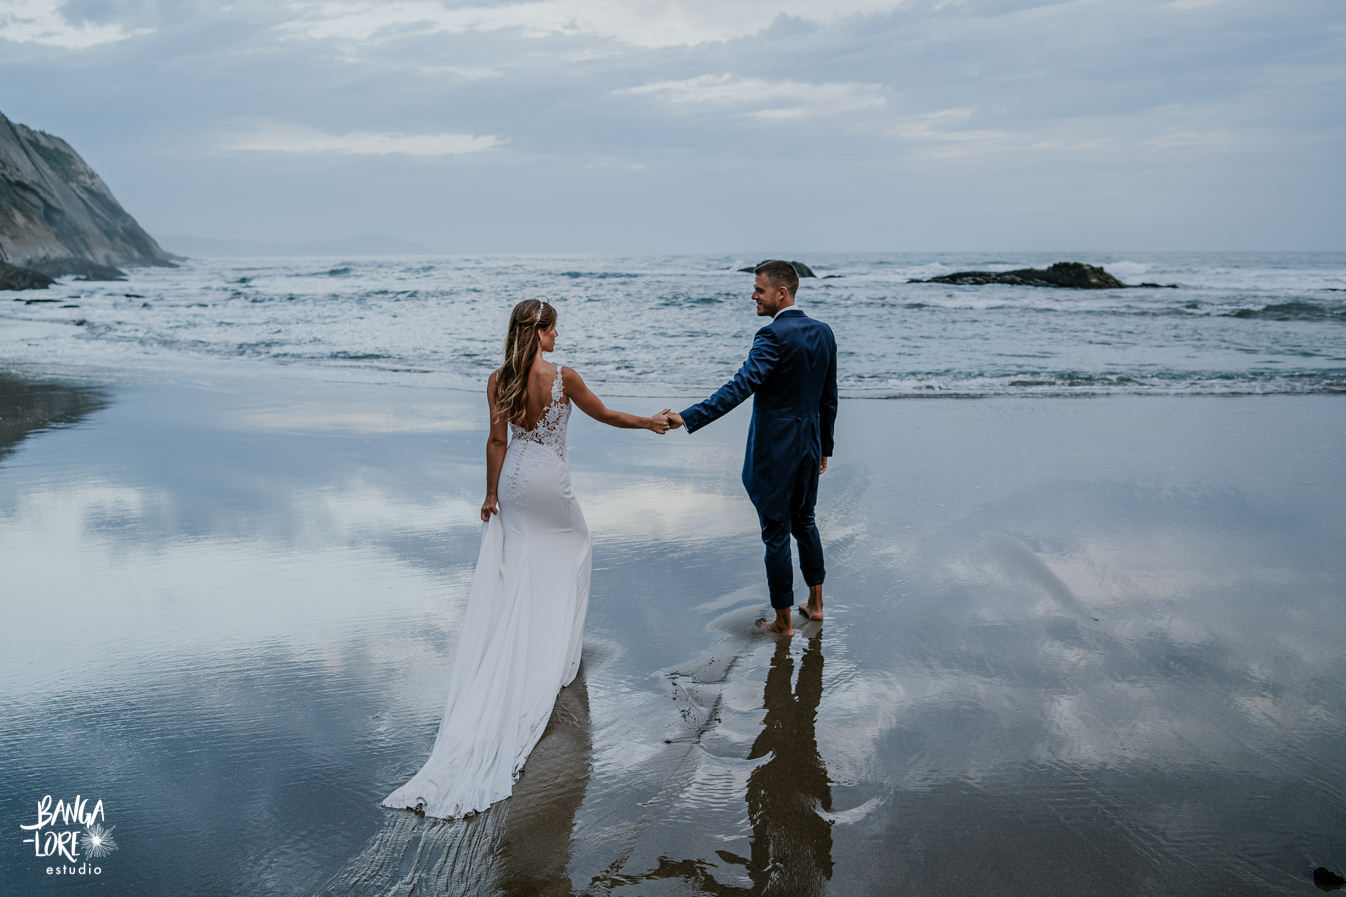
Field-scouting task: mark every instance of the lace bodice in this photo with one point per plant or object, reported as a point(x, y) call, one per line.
point(550, 429)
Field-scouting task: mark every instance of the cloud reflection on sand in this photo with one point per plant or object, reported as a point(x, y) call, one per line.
point(133, 598)
point(324, 417)
point(663, 511)
point(1096, 650)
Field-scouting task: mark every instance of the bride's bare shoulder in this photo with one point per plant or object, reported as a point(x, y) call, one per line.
point(571, 379)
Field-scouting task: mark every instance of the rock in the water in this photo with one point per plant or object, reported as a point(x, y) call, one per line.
point(83, 269)
point(1327, 880)
point(13, 277)
point(1073, 275)
point(54, 206)
point(801, 269)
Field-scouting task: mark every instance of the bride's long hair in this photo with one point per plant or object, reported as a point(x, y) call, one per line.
point(511, 379)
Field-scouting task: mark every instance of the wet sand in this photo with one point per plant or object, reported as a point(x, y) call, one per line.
point(1072, 646)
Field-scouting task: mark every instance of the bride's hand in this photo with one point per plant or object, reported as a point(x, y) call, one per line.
point(490, 506)
point(658, 423)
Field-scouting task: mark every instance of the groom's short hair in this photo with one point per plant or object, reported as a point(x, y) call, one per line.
point(781, 274)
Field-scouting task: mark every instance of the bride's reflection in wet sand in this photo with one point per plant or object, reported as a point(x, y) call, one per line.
point(540, 820)
point(521, 845)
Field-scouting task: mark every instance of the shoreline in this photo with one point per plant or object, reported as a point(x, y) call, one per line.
point(170, 366)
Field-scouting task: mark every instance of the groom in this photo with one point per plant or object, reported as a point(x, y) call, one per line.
point(792, 369)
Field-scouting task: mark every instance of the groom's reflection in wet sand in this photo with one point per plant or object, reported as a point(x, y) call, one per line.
point(792, 842)
point(787, 796)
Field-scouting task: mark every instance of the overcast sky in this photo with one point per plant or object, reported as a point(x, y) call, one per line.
point(703, 125)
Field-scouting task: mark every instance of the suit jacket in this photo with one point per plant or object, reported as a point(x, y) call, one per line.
point(792, 370)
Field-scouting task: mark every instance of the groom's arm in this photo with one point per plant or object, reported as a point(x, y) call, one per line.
point(760, 362)
point(827, 403)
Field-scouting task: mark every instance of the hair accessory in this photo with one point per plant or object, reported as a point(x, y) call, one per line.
point(537, 319)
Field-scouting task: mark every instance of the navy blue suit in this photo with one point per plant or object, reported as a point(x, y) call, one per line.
point(792, 372)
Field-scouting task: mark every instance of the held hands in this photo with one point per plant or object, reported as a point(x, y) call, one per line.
point(664, 421)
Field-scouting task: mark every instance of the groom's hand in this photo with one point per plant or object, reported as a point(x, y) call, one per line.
point(674, 419)
point(823, 467)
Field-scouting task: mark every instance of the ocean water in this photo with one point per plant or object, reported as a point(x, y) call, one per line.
point(1220, 323)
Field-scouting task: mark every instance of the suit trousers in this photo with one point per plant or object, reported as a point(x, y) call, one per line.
point(798, 521)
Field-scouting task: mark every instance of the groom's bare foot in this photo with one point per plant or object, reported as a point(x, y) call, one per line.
point(813, 608)
point(772, 626)
point(780, 625)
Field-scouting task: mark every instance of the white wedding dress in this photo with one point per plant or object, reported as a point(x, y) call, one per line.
point(521, 636)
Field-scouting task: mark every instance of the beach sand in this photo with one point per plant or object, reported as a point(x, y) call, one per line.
point(1090, 646)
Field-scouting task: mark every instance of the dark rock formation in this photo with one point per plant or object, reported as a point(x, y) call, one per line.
point(1073, 275)
point(801, 269)
point(1327, 880)
point(83, 269)
point(53, 206)
point(13, 277)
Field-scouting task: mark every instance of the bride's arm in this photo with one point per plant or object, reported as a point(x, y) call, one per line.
point(495, 452)
point(593, 406)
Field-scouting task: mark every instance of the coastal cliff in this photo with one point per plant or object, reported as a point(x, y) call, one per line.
point(56, 214)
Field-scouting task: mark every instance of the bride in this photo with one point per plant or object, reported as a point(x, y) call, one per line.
point(521, 635)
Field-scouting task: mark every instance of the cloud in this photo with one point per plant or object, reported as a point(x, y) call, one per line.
point(294, 139)
point(42, 22)
point(941, 124)
point(642, 23)
point(769, 99)
point(464, 72)
point(940, 133)
point(1192, 139)
point(945, 133)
